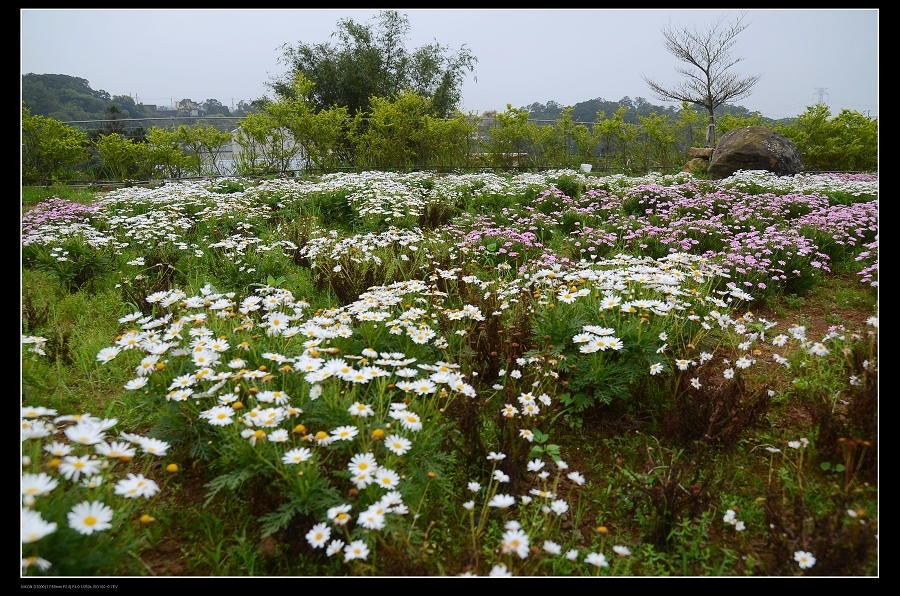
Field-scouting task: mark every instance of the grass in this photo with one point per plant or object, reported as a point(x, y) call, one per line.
point(32, 195)
point(526, 405)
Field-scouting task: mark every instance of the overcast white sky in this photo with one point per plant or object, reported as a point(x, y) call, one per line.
point(524, 56)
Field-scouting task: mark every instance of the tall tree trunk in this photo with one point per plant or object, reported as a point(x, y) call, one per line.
point(711, 130)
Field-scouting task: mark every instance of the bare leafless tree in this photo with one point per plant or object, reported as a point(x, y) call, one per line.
point(708, 84)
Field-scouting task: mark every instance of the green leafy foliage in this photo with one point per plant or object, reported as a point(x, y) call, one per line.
point(202, 144)
point(400, 132)
point(50, 149)
point(845, 142)
point(371, 60)
point(120, 156)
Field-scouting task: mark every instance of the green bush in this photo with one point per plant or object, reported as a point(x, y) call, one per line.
point(120, 156)
point(50, 149)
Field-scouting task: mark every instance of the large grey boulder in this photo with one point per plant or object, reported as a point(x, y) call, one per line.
point(755, 148)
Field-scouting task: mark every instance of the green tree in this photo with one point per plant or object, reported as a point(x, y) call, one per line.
point(857, 135)
point(810, 131)
point(689, 122)
point(324, 138)
point(113, 123)
point(129, 109)
point(50, 149)
point(120, 156)
point(508, 139)
point(728, 122)
point(617, 139)
point(656, 141)
point(547, 145)
point(243, 108)
point(213, 107)
point(585, 139)
point(295, 114)
point(63, 97)
point(587, 111)
point(849, 141)
point(332, 136)
point(186, 107)
point(708, 81)
point(371, 60)
point(203, 144)
point(163, 155)
point(447, 142)
point(265, 147)
point(551, 111)
point(394, 135)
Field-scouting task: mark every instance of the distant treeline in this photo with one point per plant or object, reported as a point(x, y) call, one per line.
point(637, 108)
point(71, 99)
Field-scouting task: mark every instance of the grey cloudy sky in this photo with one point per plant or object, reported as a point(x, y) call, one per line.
point(524, 56)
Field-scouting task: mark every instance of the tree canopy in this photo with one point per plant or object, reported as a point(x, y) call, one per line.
point(371, 60)
point(708, 81)
point(68, 98)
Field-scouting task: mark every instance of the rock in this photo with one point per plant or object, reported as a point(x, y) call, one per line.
point(701, 152)
point(696, 165)
point(755, 148)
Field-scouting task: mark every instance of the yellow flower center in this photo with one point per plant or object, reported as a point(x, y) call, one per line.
point(90, 520)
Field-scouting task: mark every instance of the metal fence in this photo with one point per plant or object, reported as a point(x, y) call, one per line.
point(136, 127)
point(166, 122)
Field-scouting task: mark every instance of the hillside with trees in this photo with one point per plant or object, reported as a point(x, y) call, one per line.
point(68, 98)
point(72, 99)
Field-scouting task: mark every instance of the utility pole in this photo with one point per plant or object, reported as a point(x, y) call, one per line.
point(821, 93)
